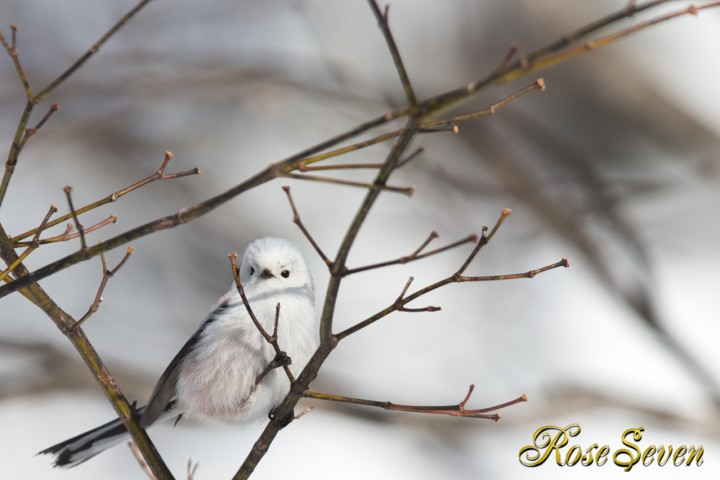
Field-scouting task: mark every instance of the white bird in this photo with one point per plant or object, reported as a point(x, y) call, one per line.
point(214, 377)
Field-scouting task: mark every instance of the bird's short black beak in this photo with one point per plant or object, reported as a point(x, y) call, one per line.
point(266, 274)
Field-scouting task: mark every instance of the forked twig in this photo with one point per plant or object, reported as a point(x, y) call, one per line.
point(400, 304)
point(298, 221)
point(350, 183)
point(68, 233)
point(350, 166)
point(382, 18)
point(456, 410)
point(35, 243)
point(107, 275)
point(416, 255)
point(113, 197)
point(281, 358)
point(458, 277)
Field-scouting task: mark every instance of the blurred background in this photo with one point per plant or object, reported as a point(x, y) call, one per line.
point(615, 166)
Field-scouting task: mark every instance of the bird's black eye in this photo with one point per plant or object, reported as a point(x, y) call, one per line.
point(252, 271)
point(285, 273)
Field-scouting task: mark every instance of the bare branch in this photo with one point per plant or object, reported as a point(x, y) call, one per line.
point(68, 193)
point(512, 50)
point(350, 166)
point(382, 18)
point(416, 255)
point(12, 51)
point(457, 410)
point(158, 175)
point(107, 275)
point(298, 221)
point(538, 84)
point(95, 48)
point(339, 181)
point(141, 460)
point(31, 247)
point(281, 358)
point(68, 235)
point(400, 305)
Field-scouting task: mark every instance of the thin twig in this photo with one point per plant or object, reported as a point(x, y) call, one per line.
point(298, 221)
point(457, 277)
point(429, 126)
point(30, 131)
point(416, 255)
point(383, 23)
point(95, 48)
point(107, 275)
point(281, 358)
point(432, 106)
point(400, 305)
point(339, 181)
point(350, 166)
point(538, 85)
point(13, 53)
point(35, 243)
point(33, 99)
point(512, 50)
point(113, 197)
point(141, 460)
point(68, 193)
point(457, 410)
point(68, 235)
point(484, 240)
point(64, 321)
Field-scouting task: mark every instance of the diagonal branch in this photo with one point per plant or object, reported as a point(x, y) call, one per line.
point(82, 344)
point(107, 275)
point(339, 181)
point(281, 358)
point(349, 166)
point(382, 18)
point(12, 51)
point(327, 340)
point(431, 106)
point(34, 99)
point(35, 243)
point(298, 221)
point(67, 234)
point(416, 255)
point(457, 410)
point(113, 197)
point(81, 231)
point(399, 304)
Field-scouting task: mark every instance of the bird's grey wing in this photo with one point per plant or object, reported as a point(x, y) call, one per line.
point(165, 390)
point(164, 393)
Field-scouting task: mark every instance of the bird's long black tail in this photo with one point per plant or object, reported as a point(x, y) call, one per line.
point(76, 450)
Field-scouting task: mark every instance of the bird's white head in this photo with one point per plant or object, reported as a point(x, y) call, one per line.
point(272, 265)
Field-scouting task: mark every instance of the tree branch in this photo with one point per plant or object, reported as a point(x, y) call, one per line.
point(113, 197)
point(34, 99)
point(416, 255)
point(383, 23)
point(281, 358)
point(457, 410)
point(429, 107)
point(107, 274)
point(65, 322)
point(298, 221)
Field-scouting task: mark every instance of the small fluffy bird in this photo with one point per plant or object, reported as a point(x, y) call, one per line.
point(214, 377)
